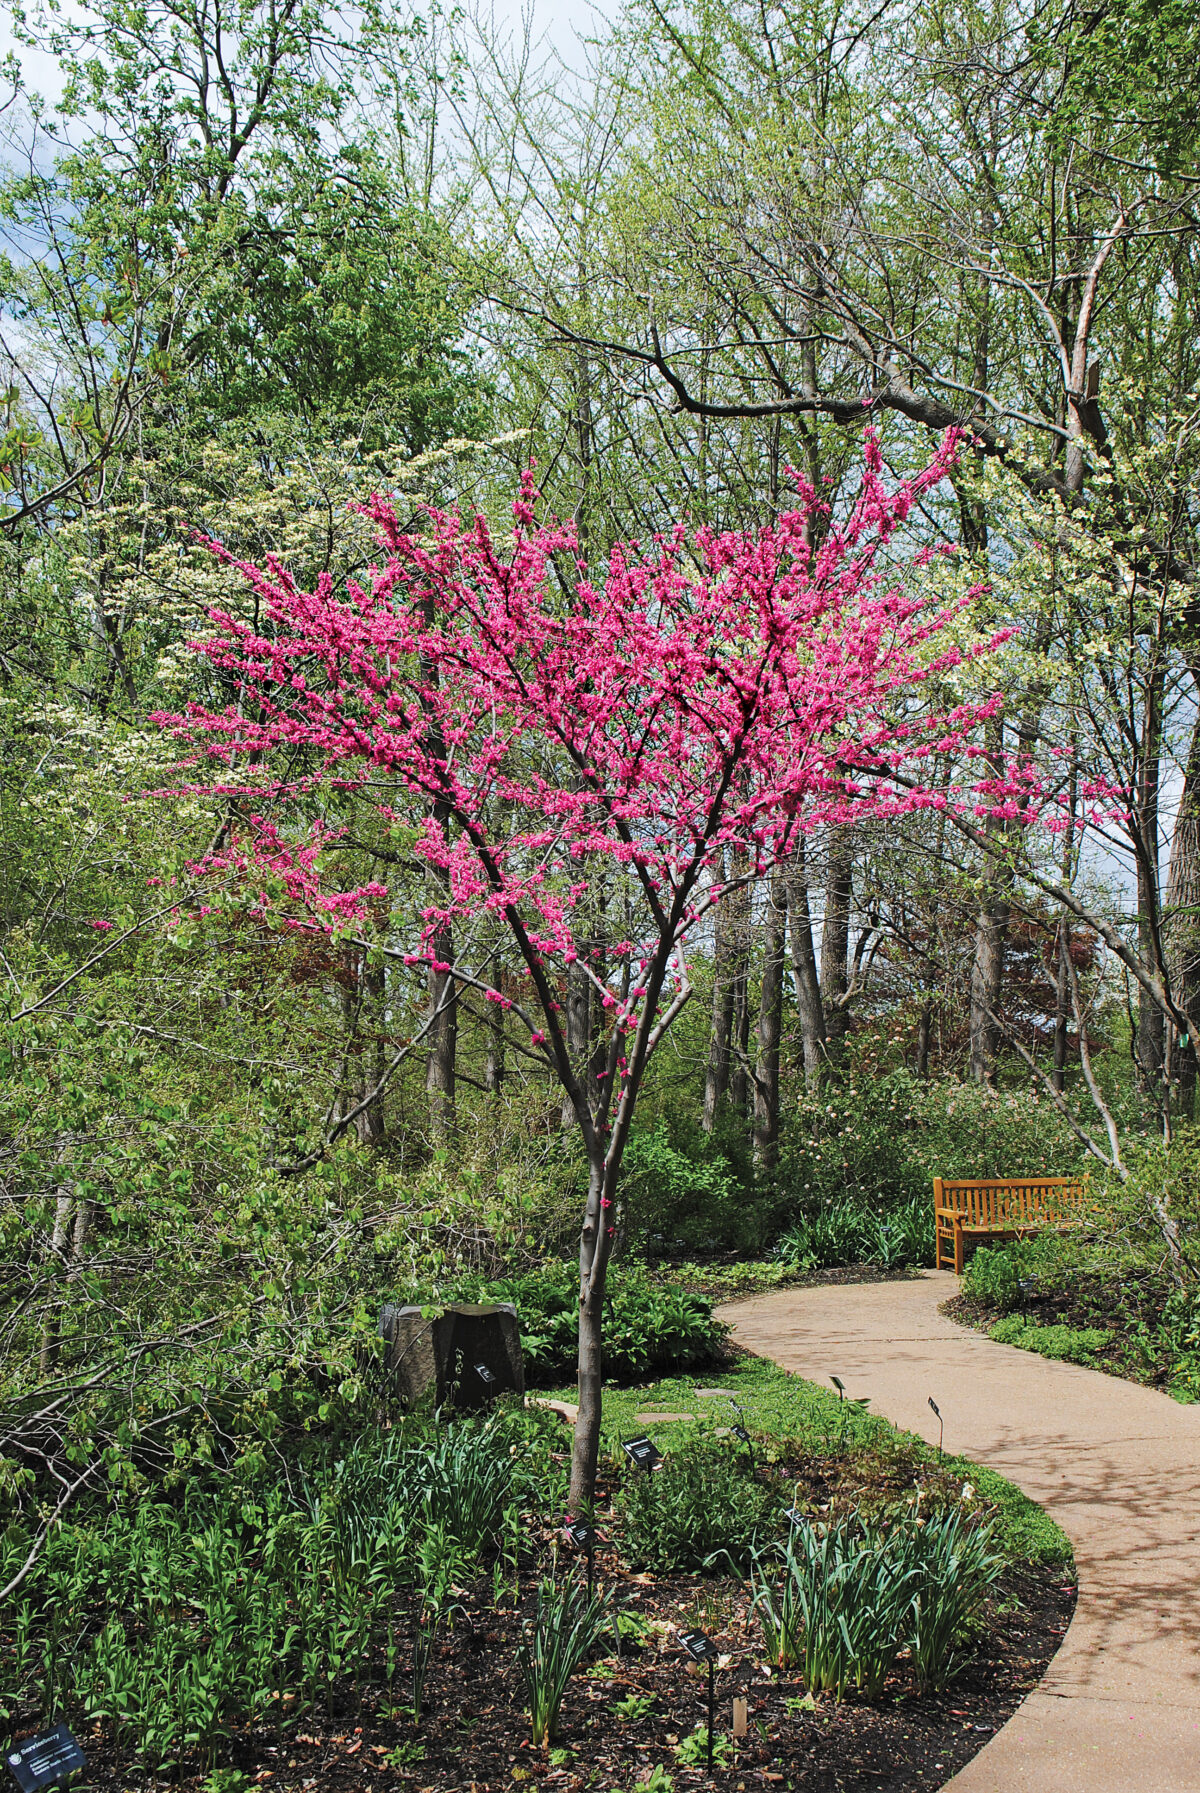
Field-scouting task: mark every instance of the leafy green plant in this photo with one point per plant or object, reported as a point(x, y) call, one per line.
point(853, 1597)
point(692, 1751)
point(691, 1195)
point(780, 1618)
point(569, 1621)
point(648, 1327)
point(463, 1483)
point(1070, 1344)
point(226, 1780)
point(954, 1563)
point(439, 1561)
point(634, 1707)
point(655, 1780)
point(405, 1755)
point(991, 1277)
point(701, 1510)
point(846, 1231)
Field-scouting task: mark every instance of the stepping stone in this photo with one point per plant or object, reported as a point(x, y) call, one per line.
point(662, 1419)
point(566, 1410)
point(711, 1394)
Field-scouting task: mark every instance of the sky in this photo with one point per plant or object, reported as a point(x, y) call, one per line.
point(558, 21)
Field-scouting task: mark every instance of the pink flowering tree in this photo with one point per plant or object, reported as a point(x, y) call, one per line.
point(707, 699)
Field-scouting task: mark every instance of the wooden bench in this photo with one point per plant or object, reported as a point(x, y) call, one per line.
point(1011, 1208)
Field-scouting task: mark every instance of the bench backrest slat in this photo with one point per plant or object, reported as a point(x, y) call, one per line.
point(992, 1202)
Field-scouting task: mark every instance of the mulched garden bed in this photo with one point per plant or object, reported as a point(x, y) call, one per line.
point(474, 1734)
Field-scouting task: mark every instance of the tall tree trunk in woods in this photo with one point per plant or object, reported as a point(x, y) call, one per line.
point(52, 1323)
point(361, 998)
point(804, 972)
point(578, 1030)
point(1151, 1040)
point(835, 939)
point(739, 1069)
point(991, 937)
point(1062, 991)
point(493, 1064)
point(924, 1028)
point(987, 973)
point(369, 1125)
point(770, 1018)
point(1181, 926)
point(716, 1076)
point(443, 1042)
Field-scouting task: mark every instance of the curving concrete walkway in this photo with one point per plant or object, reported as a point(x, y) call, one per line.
point(1118, 1710)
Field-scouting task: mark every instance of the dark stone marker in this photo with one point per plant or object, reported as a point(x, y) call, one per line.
point(466, 1357)
point(44, 1761)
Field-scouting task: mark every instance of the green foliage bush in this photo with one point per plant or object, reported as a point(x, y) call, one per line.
point(994, 1273)
point(182, 1621)
point(676, 1185)
point(648, 1327)
point(876, 1142)
point(991, 1276)
point(852, 1599)
point(851, 1233)
point(1071, 1344)
point(701, 1510)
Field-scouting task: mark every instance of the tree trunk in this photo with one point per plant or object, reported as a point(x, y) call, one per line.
point(493, 1064)
point(369, 1125)
point(804, 973)
point(987, 973)
point(835, 940)
point(1151, 1032)
point(51, 1324)
point(1181, 925)
point(716, 1075)
point(443, 1043)
point(739, 1079)
point(360, 997)
point(924, 1024)
point(578, 1029)
point(1062, 952)
point(594, 1250)
point(770, 1017)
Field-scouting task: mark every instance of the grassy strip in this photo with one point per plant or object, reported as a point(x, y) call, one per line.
point(787, 1414)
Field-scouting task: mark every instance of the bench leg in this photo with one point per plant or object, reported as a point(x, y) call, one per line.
point(958, 1251)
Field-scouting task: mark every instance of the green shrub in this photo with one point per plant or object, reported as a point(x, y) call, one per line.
point(991, 1277)
point(1072, 1344)
point(675, 1186)
point(847, 1232)
point(878, 1142)
point(647, 1328)
point(701, 1510)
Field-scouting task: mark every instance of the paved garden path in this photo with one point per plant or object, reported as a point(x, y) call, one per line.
point(1118, 1710)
